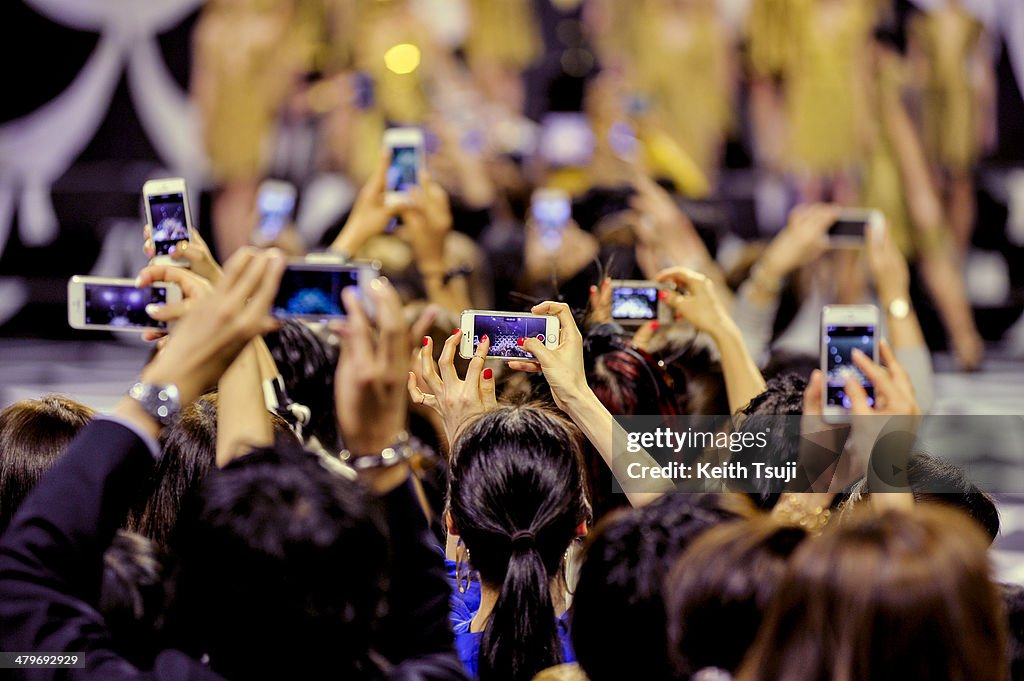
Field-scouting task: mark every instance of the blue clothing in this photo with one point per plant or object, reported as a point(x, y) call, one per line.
point(467, 643)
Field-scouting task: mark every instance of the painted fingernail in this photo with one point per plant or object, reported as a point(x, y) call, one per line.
point(484, 338)
point(655, 325)
point(152, 308)
point(456, 331)
point(662, 295)
point(426, 341)
point(488, 374)
point(593, 289)
point(138, 282)
point(520, 341)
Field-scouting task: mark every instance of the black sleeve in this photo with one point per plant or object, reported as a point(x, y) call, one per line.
point(51, 559)
point(416, 634)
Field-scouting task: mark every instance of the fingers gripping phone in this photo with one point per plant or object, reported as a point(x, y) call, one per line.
point(504, 329)
point(853, 226)
point(405, 148)
point(843, 328)
point(311, 287)
point(275, 203)
point(635, 302)
point(169, 217)
point(100, 303)
point(551, 210)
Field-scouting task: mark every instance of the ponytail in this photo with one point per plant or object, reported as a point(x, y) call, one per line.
point(516, 494)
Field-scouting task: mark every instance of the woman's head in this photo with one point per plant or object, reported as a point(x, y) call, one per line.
point(516, 497)
point(33, 435)
point(719, 590)
point(886, 596)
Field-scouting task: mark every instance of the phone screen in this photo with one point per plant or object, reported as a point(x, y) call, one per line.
point(847, 228)
point(310, 291)
point(504, 333)
point(167, 215)
point(639, 302)
point(841, 341)
point(122, 305)
point(403, 171)
point(551, 214)
point(566, 139)
point(275, 209)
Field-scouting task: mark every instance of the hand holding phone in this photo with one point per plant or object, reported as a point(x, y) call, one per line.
point(101, 303)
point(168, 214)
point(506, 332)
point(843, 329)
point(853, 225)
point(551, 210)
point(405, 148)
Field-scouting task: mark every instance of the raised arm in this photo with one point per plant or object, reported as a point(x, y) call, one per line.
point(696, 300)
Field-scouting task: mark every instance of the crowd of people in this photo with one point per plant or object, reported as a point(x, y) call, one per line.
point(285, 499)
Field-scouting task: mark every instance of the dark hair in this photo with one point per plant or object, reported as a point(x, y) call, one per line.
point(898, 595)
point(719, 589)
point(307, 364)
point(516, 496)
point(133, 595)
point(189, 451)
point(1013, 604)
point(774, 409)
point(33, 435)
point(279, 554)
point(935, 481)
point(620, 581)
point(627, 381)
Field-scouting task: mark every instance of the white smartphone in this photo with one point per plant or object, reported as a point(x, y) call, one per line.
point(108, 304)
point(566, 139)
point(844, 328)
point(504, 329)
point(169, 217)
point(853, 226)
point(405, 147)
point(275, 204)
point(551, 210)
point(311, 288)
point(635, 302)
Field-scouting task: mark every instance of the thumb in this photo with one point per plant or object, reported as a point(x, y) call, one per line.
point(540, 352)
point(167, 312)
point(813, 394)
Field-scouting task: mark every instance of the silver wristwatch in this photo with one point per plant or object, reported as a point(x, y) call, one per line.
point(162, 402)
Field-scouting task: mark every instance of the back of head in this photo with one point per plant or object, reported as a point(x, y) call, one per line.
point(279, 555)
point(189, 448)
point(516, 496)
point(886, 597)
point(719, 589)
point(618, 603)
point(33, 435)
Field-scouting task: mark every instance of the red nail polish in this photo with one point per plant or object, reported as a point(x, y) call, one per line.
point(484, 338)
point(426, 340)
point(655, 325)
point(488, 374)
point(662, 295)
point(593, 289)
point(456, 331)
point(520, 341)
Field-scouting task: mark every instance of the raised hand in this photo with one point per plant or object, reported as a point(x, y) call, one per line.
point(802, 240)
point(456, 401)
point(696, 299)
point(370, 214)
point(195, 251)
point(562, 366)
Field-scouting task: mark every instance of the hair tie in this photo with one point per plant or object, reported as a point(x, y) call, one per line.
point(523, 540)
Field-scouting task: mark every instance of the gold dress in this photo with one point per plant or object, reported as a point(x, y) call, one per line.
point(825, 85)
point(946, 38)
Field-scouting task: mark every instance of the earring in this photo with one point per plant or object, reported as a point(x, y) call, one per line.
point(462, 568)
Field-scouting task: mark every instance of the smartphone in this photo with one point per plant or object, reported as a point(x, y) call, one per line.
point(504, 329)
point(566, 139)
point(167, 212)
point(635, 302)
point(311, 288)
point(406, 149)
point(551, 210)
point(275, 203)
point(108, 304)
point(844, 328)
point(852, 227)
